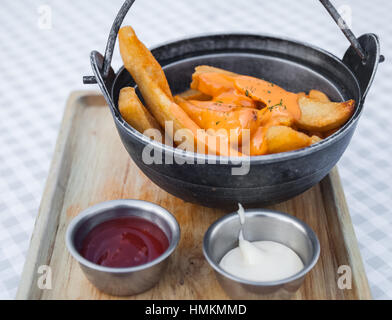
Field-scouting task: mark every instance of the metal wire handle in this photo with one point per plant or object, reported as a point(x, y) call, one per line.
point(345, 29)
point(128, 4)
point(111, 42)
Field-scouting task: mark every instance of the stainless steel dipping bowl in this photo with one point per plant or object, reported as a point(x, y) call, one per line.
point(122, 281)
point(261, 225)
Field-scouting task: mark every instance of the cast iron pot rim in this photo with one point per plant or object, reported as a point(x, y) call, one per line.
point(111, 204)
point(225, 160)
point(269, 213)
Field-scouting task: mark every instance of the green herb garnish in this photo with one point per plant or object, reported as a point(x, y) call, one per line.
point(280, 104)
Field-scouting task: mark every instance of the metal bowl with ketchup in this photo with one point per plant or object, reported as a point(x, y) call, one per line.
point(123, 246)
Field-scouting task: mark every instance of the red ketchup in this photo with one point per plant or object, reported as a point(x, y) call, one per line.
point(124, 242)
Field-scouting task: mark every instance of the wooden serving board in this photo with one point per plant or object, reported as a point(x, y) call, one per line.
point(90, 165)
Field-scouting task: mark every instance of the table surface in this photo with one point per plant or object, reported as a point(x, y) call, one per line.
point(45, 52)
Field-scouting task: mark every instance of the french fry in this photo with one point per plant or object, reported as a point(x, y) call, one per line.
point(199, 70)
point(314, 133)
point(194, 138)
point(315, 139)
point(318, 95)
point(208, 69)
point(140, 62)
point(328, 133)
point(152, 83)
point(192, 94)
point(166, 110)
point(301, 94)
point(133, 111)
point(282, 139)
point(230, 122)
point(220, 84)
point(221, 100)
point(323, 116)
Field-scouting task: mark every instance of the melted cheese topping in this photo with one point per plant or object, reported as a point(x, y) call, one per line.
point(242, 103)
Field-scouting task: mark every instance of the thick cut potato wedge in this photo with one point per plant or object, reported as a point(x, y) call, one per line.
point(282, 139)
point(140, 62)
point(208, 69)
point(328, 133)
point(212, 83)
point(192, 94)
point(229, 122)
point(220, 99)
point(221, 87)
point(153, 85)
point(199, 70)
point(133, 111)
point(323, 116)
point(318, 95)
point(315, 139)
point(302, 94)
point(186, 133)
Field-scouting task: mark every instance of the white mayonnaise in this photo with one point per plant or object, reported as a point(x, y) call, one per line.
point(261, 260)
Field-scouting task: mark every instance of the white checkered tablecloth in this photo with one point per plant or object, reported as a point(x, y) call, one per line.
point(45, 48)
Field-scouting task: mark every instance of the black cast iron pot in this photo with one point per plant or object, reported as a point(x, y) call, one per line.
point(295, 66)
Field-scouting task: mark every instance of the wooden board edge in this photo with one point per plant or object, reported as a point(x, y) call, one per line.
point(359, 277)
point(45, 228)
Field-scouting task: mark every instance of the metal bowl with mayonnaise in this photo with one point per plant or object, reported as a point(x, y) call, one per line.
point(259, 267)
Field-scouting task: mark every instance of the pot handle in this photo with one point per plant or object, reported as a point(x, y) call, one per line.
point(364, 70)
point(101, 65)
point(363, 56)
point(111, 42)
